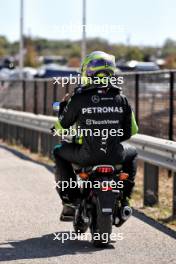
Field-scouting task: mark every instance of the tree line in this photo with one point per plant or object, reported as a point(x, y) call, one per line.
point(71, 50)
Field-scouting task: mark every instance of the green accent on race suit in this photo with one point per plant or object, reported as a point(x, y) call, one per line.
point(60, 130)
point(58, 127)
point(79, 140)
point(134, 126)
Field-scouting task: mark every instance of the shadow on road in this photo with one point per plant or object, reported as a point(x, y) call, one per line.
point(166, 230)
point(45, 247)
point(25, 157)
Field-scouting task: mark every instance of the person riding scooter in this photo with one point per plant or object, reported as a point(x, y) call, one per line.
point(93, 106)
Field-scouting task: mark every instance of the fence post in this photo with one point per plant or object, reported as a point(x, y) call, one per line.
point(35, 98)
point(55, 92)
point(171, 106)
point(45, 98)
point(150, 184)
point(174, 195)
point(24, 95)
point(67, 88)
point(137, 97)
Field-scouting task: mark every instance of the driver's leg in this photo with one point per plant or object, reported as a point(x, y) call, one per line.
point(64, 155)
point(130, 167)
point(65, 177)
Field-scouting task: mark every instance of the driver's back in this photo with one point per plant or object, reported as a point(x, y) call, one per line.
point(104, 118)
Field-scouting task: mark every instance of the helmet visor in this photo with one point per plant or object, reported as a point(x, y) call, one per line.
point(97, 65)
point(100, 63)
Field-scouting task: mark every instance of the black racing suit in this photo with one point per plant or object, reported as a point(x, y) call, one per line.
point(96, 110)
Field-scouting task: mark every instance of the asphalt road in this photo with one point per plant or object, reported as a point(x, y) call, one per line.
point(29, 215)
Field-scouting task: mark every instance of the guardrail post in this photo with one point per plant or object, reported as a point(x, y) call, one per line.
point(35, 98)
point(45, 98)
point(137, 98)
point(174, 195)
point(24, 95)
point(171, 106)
point(1, 130)
point(39, 142)
point(5, 132)
point(150, 184)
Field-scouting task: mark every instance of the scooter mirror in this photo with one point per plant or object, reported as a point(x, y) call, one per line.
point(56, 106)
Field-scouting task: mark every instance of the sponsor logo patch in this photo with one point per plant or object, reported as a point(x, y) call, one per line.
point(95, 99)
point(102, 110)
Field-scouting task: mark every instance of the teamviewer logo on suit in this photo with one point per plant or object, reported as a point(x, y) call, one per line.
point(95, 99)
point(88, 122)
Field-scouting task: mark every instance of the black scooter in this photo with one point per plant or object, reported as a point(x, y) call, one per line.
point(101, 192)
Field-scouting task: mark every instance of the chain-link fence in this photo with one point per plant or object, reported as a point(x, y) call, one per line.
point(152, 96)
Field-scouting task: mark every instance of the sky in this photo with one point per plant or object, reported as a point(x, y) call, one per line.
point(139, 22)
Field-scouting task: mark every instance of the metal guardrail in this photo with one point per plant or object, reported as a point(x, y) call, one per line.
point(39, 123)
point(152, 96)
point(33, 131)
point(156, 151)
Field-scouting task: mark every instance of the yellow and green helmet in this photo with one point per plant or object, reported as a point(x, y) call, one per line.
point(98, 64)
